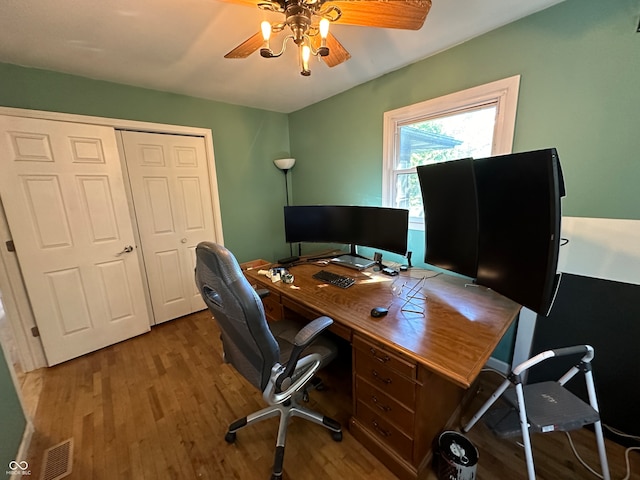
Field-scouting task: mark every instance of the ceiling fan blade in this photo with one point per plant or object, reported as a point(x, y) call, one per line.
point(247, 47)
point(337, 53)
point(247, 3)
point(403, 14)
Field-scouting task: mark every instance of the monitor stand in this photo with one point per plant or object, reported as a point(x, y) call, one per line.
point(353, 260)
point(357, 263)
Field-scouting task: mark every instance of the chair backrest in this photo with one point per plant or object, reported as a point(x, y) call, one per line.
point(248, 343)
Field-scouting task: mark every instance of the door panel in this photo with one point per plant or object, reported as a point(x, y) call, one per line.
point(64, 198)
point(43, 197)
point(172, 198)
point(97, 205)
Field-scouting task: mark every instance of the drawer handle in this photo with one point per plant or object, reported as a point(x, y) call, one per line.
point(383, 359)
point(376, 402)
point(380, 430)
point(378, 377)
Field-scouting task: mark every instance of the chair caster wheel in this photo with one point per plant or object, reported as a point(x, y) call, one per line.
point(337, 436)
point(230, 437)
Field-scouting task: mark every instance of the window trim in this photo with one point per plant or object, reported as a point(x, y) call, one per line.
point(503, 93)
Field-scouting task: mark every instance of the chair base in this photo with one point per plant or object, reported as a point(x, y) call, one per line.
point(286, 411)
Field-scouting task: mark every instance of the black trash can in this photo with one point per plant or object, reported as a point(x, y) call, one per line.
point(456, 457)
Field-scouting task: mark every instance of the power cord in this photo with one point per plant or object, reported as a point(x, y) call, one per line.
point(626, 452)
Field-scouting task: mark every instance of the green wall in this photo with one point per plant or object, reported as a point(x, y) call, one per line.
point(579, 92)
point(580, 72)
point(245, 142)
point(12, 420)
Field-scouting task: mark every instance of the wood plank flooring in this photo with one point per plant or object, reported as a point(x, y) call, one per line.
point(157, 407)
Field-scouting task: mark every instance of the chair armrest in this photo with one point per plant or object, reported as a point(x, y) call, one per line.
point(303, 339)
point(557, 352)
point(574, 350)
point(311, 330)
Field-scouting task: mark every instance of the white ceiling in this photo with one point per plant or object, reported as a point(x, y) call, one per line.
point(178, 46)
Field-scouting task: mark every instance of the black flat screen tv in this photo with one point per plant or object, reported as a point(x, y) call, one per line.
point(376, 227)
point(497, 220)
point(450, 215)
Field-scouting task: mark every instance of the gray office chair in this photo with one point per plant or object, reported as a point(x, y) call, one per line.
point(269, 356)
point(545, 406)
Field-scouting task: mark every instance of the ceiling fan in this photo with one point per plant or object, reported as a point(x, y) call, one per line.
point(307, 23)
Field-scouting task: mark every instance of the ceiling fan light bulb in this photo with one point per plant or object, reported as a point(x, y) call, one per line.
point(266, 31)
point(306, 54)
point(324, 28)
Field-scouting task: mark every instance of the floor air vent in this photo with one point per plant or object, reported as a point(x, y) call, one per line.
point(57, 461)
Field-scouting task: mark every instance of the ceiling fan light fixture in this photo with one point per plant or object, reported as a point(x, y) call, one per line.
point(323, 50)
point(310, 37)
point(309, 20)
point(265, 51)
point(298, 18)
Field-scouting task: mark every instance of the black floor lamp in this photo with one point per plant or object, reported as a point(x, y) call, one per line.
point(286, 164)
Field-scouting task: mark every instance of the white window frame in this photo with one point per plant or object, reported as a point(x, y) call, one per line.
point(502, 93)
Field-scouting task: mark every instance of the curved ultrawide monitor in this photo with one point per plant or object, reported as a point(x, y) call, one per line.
point(450, 215)
point(376, 227)
point(519, 219)
point(497, 220)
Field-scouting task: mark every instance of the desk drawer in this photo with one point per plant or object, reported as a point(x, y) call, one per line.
point(308, 314)
point(385, 431)
point(272, 308)
point(383, 356)
point(385, 379)
point(384, 405)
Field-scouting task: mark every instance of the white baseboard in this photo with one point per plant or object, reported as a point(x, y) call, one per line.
point(26, 441)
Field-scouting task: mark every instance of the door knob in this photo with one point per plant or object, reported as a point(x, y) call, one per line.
point(127, 249)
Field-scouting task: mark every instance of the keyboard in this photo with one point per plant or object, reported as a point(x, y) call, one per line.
point(334, 279)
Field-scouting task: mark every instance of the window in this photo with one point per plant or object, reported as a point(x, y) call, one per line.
point(478, 122)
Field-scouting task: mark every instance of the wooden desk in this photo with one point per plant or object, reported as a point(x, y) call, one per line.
point(410, 371)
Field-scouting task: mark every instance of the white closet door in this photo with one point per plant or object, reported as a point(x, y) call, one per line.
point(172, 199)
point(63, 192)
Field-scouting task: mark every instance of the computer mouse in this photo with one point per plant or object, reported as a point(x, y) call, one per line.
point(378, 312)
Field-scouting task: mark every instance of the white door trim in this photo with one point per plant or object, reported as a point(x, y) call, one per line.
point(16, 305)
point(34, 360)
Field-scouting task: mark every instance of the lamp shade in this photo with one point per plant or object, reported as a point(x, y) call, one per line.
point(285, 163)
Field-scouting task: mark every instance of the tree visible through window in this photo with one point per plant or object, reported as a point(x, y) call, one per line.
point(474, 123)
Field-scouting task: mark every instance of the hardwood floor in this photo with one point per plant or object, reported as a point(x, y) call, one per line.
point(157, 407)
